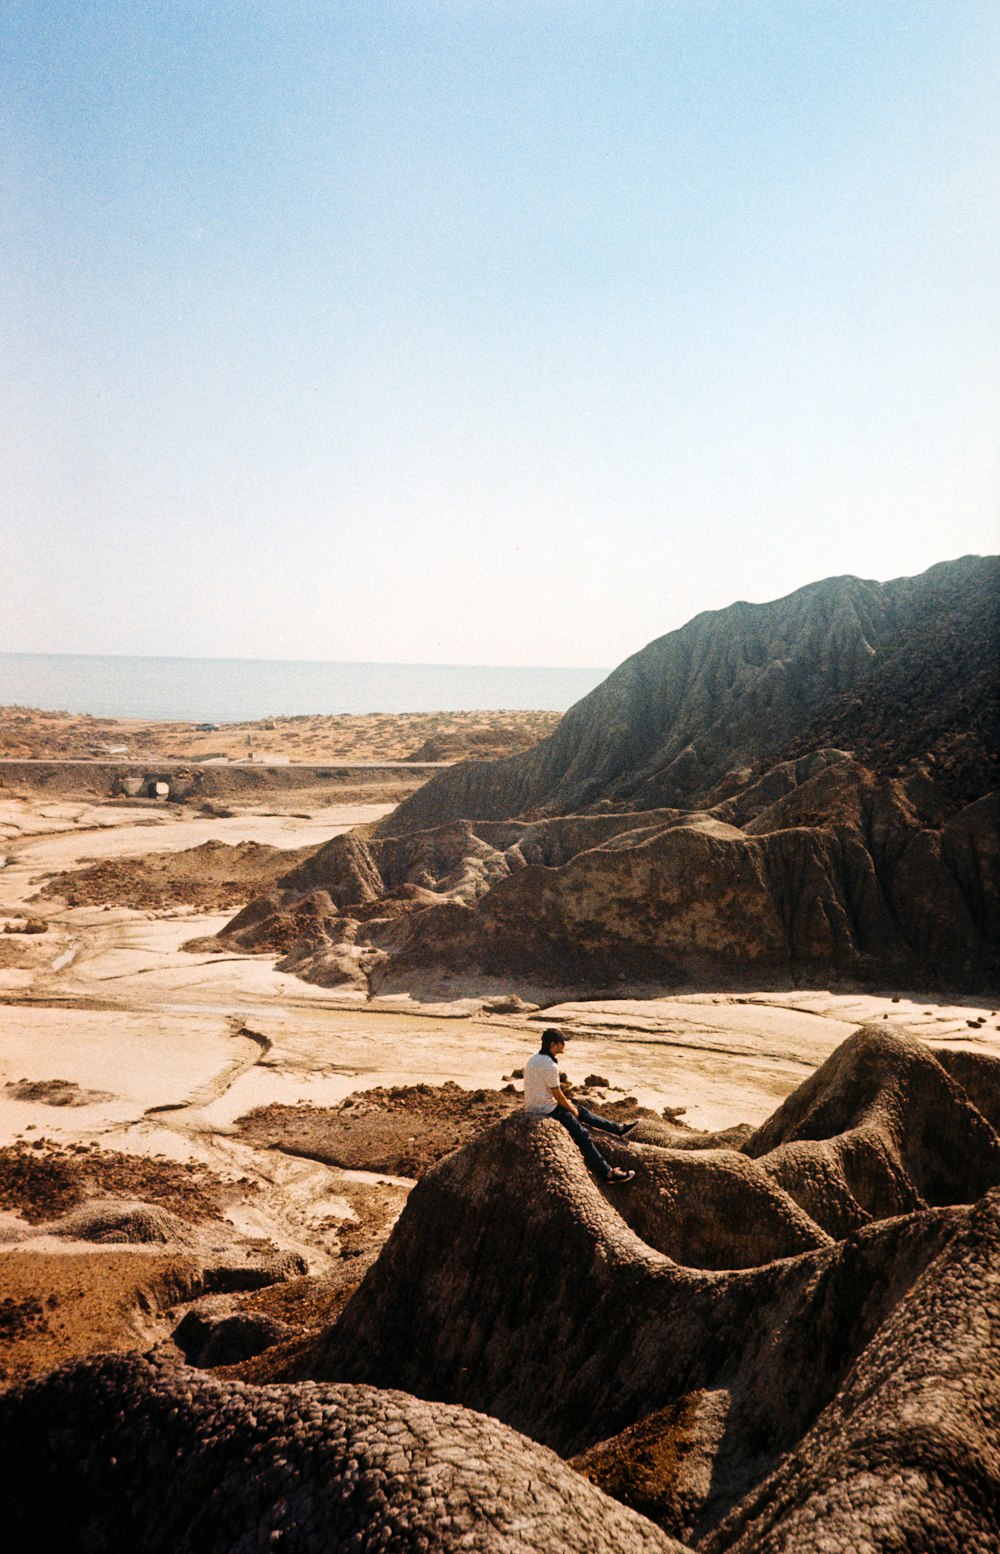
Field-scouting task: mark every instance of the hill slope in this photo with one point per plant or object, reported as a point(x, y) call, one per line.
point(895, 670)
point(798, 789)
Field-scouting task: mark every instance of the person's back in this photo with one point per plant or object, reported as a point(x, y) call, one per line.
point(541, 1077)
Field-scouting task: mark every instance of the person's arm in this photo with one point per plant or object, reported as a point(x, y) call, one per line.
point(561, 1099)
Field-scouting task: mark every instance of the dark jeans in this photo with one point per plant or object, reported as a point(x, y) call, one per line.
point(575, 1127)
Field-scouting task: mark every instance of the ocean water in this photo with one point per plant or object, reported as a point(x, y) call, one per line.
point(238, 690)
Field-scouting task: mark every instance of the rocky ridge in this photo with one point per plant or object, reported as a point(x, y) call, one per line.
point(689, 820)
point(752, 1350)
point(896, 670)
point(730, 1303)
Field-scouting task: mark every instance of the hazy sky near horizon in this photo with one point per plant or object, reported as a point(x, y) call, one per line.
point(511, 333)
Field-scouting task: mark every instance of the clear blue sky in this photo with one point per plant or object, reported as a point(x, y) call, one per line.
point(486, 332)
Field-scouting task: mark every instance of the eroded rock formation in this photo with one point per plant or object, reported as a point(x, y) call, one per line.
point(691, 818)
point(705, 1316)
point(123, 1452)
point(753, 1350)
point(901, 672)
point(820, 869)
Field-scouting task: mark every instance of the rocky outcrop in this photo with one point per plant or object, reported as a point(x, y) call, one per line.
point(704, 1303)
point(820, 869)
point(120, 1453)
point(740, 1379)
point(869, 894)
point(979, 1075)
point(685, 823)
point(906, 1456)
point(880, 1129)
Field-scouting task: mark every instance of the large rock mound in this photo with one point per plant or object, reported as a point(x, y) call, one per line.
point(821, 869)
point(880, 1129)
point(906, 1456)
point(120, 1453)
point(703, 1305)
point(709, 1353)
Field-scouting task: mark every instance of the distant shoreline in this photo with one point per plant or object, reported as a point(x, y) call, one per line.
point(245, 690)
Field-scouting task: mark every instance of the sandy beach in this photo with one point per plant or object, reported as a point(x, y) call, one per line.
point(129, 1065)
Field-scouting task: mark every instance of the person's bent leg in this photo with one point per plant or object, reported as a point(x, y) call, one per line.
point(605, 1124)
point(576, 1130)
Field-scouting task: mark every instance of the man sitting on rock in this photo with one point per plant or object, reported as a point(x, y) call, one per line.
point(544, 1097)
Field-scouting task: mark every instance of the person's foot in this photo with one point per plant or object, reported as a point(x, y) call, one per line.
point(616, 1174)
point(627, 1127)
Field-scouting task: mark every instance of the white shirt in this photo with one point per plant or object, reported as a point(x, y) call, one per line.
point(541, 1077)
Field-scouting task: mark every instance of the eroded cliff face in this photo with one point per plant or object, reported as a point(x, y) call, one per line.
point(687, 822)
point(898, 671)
point(840, 874)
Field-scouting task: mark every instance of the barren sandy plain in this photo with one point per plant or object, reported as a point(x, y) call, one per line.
point(28, 734)
point(173, 1127)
